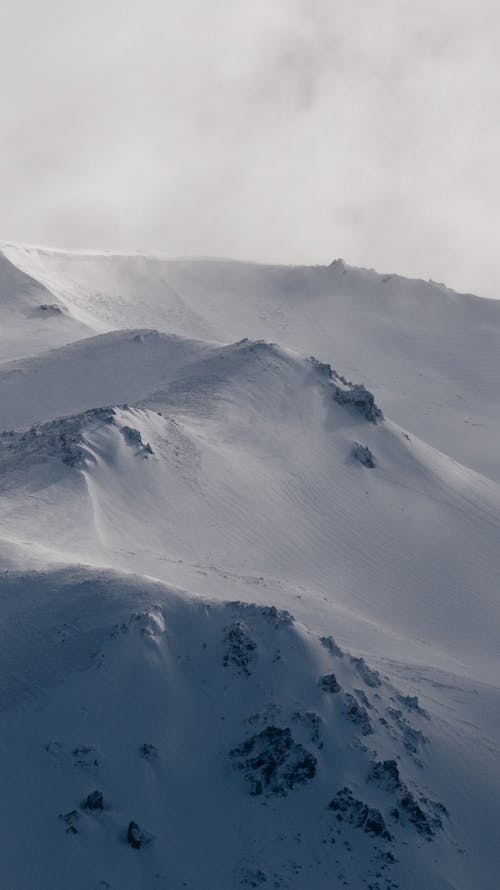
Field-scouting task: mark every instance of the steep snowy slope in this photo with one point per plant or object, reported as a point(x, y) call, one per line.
point(231, 731)
point(243, 612)
point(251, 452)
point(430, 355)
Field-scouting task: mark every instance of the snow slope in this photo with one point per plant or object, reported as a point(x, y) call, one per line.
point(187, 517)
point(419, 346)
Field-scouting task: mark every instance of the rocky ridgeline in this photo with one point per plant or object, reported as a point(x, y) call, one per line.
point(351, 395)
point(64, 439)
point(357, 813)
point(423, 814)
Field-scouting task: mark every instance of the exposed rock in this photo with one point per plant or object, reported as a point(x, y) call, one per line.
point(412, 738)
point(150, 623)
point(357, 714)
point(271, 712)
point(94, 801)
point(412, 704)
point(133, 438)
point(357, 813)
point(70, 819)
point(85, 756)
point(367, 674)
point(329, 683)
point(363, 698)
point(322, 368)
point(355, 395)
point(330, 644)
point(425, 823)
point(424, 815)
point(47, 309)
point(136, 837)
point(131, 435)
point(148, 751)
point(240, 648)
point(273, 762)
point(63, 438)
point(385, 774)
point(363, 454)
point(312, 722)
point(277, 618)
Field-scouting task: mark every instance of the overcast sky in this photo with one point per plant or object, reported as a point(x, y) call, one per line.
point(284, 130)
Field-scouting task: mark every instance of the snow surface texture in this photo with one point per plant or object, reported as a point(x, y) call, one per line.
point(249, 589)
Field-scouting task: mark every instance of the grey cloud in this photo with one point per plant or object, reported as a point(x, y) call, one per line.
point(282, 130)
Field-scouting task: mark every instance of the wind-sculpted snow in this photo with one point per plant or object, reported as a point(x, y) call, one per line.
point(62, 439)
point(417, 345)
point(31, 317)
point(242, 612)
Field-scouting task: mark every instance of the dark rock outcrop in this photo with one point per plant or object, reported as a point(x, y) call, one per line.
point(357, 714)
point(330, 644)
point(273, 762)
point(136, 837)
point(424, 815)
point(94, 801)
point(363, 454)
point(357, 813)
point(357, 396)
point(366, 673)
point(329, 683)
point(240, 648)
point(70, 820)
point(148, 751)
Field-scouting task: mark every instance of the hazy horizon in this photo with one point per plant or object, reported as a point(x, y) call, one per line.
point(287, 132)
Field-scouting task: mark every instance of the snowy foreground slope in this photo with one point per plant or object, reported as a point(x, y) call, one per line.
point(249, 613)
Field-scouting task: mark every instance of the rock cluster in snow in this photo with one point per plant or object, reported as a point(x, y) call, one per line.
point(273, 762)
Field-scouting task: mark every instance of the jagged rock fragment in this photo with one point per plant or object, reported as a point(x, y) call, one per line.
point(367, 674)
point(148, 751)
point(329, 683)
point(272, 761)
point(357, 813)
point(357, 714)
point(70, 819)
point(136, 837)
point(85, 756)
point(312, 722)
point(385, 774)
point(94, 801)
point(412, 738)
point(363, 454)
point(411, 702)
point(424, 815)
point(355, 395)
point(240, 648)
point(330, 644)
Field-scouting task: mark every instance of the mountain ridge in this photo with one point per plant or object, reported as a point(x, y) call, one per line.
point(248, 607)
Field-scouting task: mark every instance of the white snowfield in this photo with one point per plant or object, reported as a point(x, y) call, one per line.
point(253, 605)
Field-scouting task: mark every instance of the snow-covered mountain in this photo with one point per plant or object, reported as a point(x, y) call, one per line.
point(249, 535)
